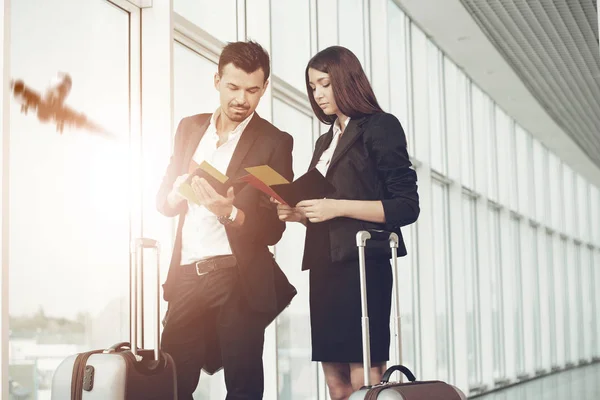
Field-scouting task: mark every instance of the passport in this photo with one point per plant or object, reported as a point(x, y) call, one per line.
point(311, 185)
point(213, 176)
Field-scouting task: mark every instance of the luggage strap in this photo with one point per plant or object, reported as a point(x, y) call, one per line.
point(78, 373)
point(437, 390)
point(373, 393)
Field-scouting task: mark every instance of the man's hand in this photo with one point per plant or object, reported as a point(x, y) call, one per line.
point(209, 198)
point(320, 210)
point(174, 197)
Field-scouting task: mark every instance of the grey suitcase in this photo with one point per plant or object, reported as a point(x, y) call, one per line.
point(385, 390)
point(122, 371)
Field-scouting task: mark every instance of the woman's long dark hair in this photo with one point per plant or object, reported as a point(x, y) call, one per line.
point(351, 88)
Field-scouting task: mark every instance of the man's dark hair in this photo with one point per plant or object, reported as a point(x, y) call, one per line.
point(248, 56)
point(352, 91)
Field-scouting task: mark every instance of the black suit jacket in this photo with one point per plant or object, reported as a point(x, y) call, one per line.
point(265, 287)
point(370, 162)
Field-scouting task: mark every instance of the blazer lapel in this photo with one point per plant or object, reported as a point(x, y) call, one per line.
point(249, 135)
point(321, 148)
point(350, 135)
point(198, 128)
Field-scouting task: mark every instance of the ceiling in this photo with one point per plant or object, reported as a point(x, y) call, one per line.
point(537, 59)
point(553, 48)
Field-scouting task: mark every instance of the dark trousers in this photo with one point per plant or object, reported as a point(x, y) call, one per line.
point(240, 332)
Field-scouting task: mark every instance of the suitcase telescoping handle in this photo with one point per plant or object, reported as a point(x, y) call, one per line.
point(361, 241)
point(137, 247)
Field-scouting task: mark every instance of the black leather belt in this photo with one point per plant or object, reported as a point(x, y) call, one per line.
point(207, 265)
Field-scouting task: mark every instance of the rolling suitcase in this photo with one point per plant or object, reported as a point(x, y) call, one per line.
point(122, 371)
point(385, 390)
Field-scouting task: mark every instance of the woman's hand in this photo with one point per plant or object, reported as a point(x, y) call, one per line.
point(287, 213)
point(320, 210)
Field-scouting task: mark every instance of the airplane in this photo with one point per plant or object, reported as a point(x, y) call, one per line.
point(51, 106)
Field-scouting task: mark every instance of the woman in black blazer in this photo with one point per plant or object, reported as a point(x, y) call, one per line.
point(364, 156)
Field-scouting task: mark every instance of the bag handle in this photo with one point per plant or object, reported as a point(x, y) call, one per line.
point(117, 347)
point(400, 368)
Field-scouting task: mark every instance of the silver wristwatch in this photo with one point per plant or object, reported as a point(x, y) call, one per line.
point(228, 219)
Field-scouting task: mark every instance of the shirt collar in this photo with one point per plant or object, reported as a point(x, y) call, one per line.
point(238, 130)
point(336, 126)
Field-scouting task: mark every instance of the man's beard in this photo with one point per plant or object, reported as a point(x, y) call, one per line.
point(237, 116)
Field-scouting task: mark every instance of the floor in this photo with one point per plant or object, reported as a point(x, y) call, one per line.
point(574, 384)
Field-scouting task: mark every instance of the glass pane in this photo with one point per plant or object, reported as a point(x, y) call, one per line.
point(547, 201)
point(534, 297)
point(556, 192)
point(492, 148)
point(351, 28)
point(327, 24)
point(526, 276)
point(524, 167)
point(507, 192)
point(594, 299)
point(566, 304)
point(543, 300)
point(595, 214)
point(575, 313)
point(496, 287)
point(571, 273)
point(551, 299)
point(569, 195)
point(442, 294)
point(69, 192)
point(451, 115)
point(513, 168)
point(291, 24)
point(436, 127)
point(466, 124)
point(518, 298)
point(596, 269)
point(530, 177)
point(420, 96)
point(297, 374)
point(560, 294)
point(472, 290)
point(399, 55)
point(408, 281)
point(583, 209)
point(219, 18)
point(539, 182)
point(485, 164)
point(585, 297)
point(194, 91)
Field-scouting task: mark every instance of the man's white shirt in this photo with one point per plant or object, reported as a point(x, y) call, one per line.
point(203, 235)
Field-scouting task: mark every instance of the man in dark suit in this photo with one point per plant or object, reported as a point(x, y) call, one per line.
point(224, 286)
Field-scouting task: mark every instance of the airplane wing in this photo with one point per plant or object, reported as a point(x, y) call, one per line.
point(68, 116)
